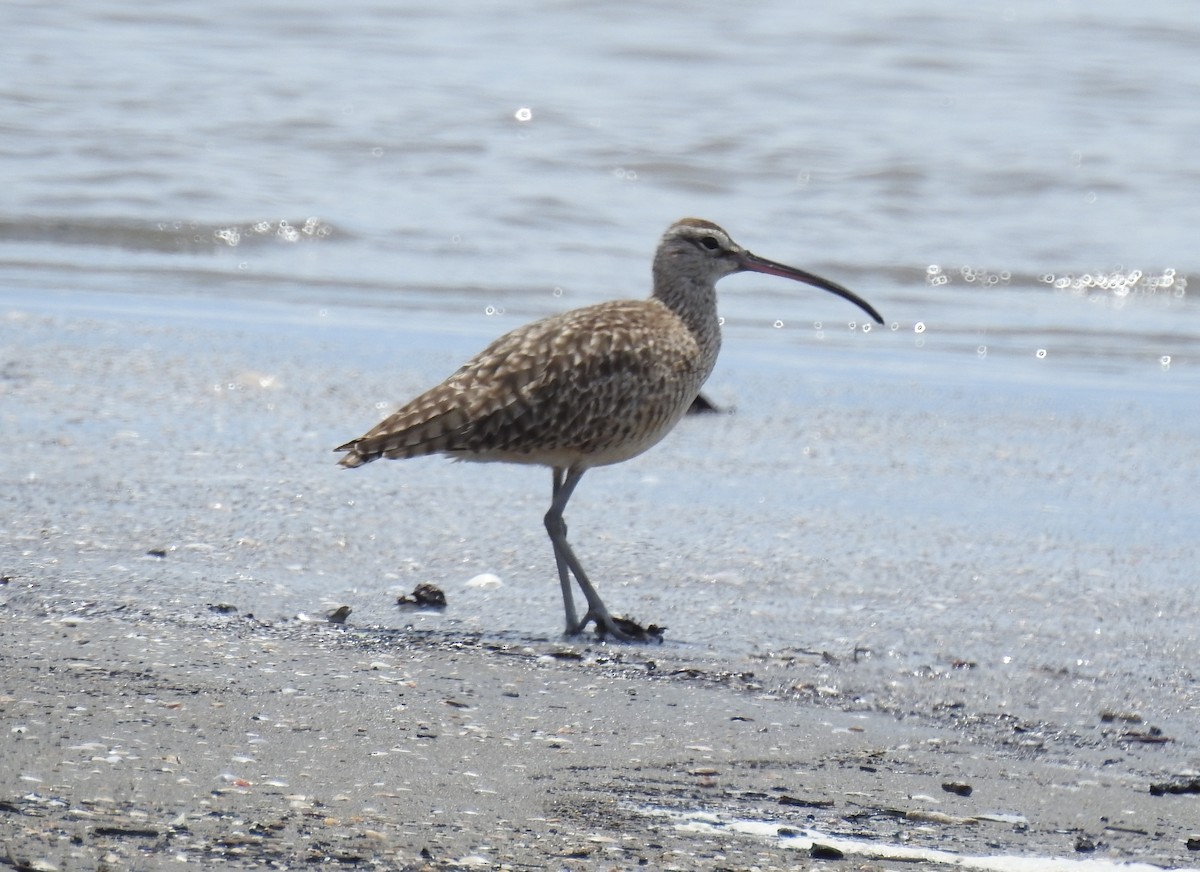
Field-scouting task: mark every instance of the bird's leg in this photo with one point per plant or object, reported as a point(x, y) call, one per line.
point(564, 486)
point(564, 578)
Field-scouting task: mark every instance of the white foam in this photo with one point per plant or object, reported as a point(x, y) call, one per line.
point(803, 840)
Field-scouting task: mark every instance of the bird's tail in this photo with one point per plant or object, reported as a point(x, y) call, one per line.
point(408, 433)
point(355, 457)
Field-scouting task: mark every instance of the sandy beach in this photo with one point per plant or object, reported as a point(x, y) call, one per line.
point(172, 694)
point(137, 739)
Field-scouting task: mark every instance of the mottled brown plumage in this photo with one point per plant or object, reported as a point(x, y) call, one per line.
point(546, 393)
point(585, 388)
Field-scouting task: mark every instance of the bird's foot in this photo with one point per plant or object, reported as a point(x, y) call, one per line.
point(623, 629)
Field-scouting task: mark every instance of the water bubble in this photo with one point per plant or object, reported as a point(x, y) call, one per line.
point(456, 238)
point(866, 328)
point(981, 351)
point(558, 292)
point(1165, 361)
point(933, 270)
point(1089, 197)
point(1047, 278)
point(1041, 354)
point(721, 321)
point(802, 179)
point(377, 151)
point(490, 310)
point(817, 325)
point(919, 327)
point(778, 324)
point(894, 326)
point(852, 326)
point(523, 114)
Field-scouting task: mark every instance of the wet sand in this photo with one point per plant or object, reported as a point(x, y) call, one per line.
point(136, 739)
point(165, 701)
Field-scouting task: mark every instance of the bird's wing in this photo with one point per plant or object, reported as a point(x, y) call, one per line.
point(549, 384)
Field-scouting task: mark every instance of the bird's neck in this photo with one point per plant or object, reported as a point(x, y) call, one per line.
point(694, 301)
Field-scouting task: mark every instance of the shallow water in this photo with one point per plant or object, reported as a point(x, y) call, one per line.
point(351, 200)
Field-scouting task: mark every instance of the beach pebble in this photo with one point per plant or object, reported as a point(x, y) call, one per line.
point(485, 581)
point(824, 852)
point(424, 595)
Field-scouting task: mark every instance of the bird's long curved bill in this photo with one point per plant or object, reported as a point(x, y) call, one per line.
point(754, 263)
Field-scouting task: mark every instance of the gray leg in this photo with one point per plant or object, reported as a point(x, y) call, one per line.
point(564, 578)
point(566, 559)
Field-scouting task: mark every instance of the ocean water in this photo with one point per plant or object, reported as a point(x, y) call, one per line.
point(1008, 462)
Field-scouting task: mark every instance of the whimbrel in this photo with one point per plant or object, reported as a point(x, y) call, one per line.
point(585, 388)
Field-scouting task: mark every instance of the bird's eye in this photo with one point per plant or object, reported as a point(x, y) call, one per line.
point(710, 242)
